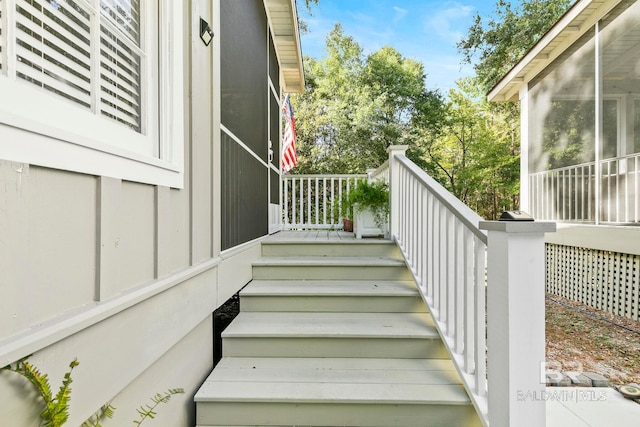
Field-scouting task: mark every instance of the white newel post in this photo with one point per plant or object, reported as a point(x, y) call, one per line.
point(394, 188)
point(516, 322)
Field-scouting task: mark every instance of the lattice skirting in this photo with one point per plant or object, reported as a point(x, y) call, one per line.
point(605, 280)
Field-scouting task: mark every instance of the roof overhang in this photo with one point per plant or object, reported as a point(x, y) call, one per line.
point(283, 21)
point(581, 17)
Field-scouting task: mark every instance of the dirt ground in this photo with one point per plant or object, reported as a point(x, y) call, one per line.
point(582, 338)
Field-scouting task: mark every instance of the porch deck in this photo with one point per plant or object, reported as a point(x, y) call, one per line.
point(566, 406)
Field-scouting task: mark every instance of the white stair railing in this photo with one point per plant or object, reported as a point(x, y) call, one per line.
point(477, 284)
point(309, 200)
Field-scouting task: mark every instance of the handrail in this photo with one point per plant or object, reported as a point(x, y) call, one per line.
point(475, 277)
point(463, 212)
point(381, 174)
point(569, 193)
point(445, 251)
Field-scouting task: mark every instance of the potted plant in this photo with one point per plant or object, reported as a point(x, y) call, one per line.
point(343, 210)
point(367, 205)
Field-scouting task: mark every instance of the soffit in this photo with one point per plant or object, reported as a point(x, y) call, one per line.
point(283, 20)
point(581, 17)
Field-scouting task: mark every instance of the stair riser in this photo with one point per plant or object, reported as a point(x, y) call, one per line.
point(338, 304)
point(386, 250)
point(399, 348)
point(327, 414)
point(331, 272)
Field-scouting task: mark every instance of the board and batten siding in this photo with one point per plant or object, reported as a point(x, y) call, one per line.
point(125, 276)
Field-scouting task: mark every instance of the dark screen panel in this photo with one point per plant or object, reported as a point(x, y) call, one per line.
point(274, 126)
point(243, 38)
point(245, 195)
point(274, 67)
point(275, 187)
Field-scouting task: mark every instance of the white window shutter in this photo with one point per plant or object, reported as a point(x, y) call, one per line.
point(53, 48)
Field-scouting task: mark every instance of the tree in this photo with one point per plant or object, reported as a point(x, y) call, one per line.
point(495, 47)
point(355, 106)
point(475, 155)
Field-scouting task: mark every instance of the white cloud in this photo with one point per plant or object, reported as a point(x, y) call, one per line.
point(400, 13)
point(449, 23)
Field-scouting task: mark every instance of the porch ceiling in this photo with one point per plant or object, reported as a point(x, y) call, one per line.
point(576, 22)
point(283, 20)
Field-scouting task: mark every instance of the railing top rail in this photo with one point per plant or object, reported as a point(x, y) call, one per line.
point(464, 213)
point(327, 175)
point(380, 172)
point(586, 164)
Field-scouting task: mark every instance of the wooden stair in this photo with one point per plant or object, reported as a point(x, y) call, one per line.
point(333, 334)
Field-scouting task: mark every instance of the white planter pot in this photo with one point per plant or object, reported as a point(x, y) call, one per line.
point(364, 224)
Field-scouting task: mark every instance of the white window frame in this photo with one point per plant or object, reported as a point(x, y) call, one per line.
point(38, 128)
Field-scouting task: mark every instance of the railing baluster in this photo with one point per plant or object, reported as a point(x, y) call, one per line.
point(451, 274)
point(436, 256)
point(459, 271)
point(469, 303)
point(636, 194)
point(285, 198)
point(324, 200)
point(480, 318)
point(317, 197)
point(309, 201)
point(293, 201)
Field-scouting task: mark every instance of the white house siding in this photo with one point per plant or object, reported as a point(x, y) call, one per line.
point(122, 275)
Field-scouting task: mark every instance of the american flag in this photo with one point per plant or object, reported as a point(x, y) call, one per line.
point(289, 156)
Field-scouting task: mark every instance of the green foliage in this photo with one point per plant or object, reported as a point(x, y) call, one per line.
point(96, 419)
point(495, 45)
point(355, 106)
point(149, 411)
point(475, 153)
point(367, 195)
point(56, 411)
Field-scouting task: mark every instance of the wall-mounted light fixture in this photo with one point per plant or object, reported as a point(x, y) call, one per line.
point(206, 33)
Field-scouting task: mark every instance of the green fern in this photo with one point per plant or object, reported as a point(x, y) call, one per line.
point(95, 420)
point(56, 411)
point(148, 411)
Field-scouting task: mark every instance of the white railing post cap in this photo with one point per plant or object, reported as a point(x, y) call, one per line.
point(530, 227)
point(397, 149)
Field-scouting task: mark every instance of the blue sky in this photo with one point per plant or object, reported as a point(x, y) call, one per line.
point(424, 30)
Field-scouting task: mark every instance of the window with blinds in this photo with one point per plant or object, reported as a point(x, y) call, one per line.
point(85, 52)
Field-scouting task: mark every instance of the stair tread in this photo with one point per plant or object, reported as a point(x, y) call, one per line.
point(330, 288)
point(334, 380)
point(319, 242)
point(328, 260)
point(343, 325)
point(336, 370)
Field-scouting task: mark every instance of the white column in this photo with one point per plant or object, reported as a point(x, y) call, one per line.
point(394, 188)
point(515, 322)
point(524, 149)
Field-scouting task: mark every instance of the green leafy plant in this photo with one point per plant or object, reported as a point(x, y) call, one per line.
point(370, 195)
point(149, 411)
point(95, 420)
point(56, 411)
